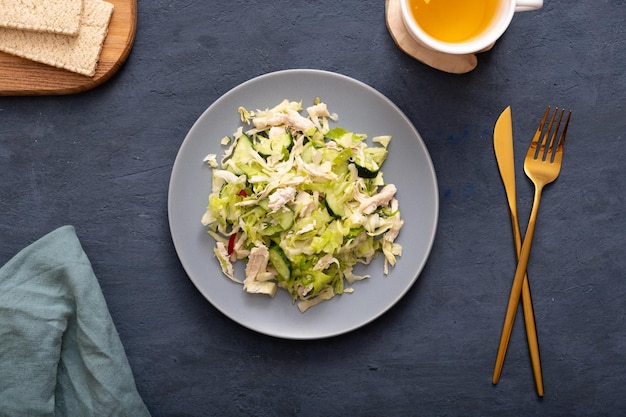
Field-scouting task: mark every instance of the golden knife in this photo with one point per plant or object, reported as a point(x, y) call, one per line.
point(503, 147)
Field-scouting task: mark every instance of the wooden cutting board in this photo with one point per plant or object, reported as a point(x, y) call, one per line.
point(20, 77)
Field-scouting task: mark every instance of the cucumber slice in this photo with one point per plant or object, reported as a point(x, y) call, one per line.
point(280, 262)
point(369, 161)
point(285, 218)
point(242, 158)
point(263, 146)
point(285, 142)
point(280, 144)
point(280, 221)
point(335, 208)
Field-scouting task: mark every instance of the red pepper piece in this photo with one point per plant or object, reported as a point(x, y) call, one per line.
point(231, 243)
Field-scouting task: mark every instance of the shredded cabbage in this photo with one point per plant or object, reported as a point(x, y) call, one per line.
point(300, 203)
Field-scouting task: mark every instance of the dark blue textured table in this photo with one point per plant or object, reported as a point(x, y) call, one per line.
point(101, 161)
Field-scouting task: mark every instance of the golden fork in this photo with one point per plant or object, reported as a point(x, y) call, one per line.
point(542, 165)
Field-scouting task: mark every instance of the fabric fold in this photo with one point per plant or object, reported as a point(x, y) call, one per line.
point(60, 354)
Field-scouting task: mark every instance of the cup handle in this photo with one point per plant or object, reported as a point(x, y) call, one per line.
point(527, 5)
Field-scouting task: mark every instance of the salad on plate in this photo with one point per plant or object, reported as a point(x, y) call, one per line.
point(301, 203)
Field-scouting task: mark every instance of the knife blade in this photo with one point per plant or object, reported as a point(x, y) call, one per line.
point(503, 147)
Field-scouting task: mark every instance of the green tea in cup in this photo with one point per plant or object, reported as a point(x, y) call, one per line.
point(461, 26)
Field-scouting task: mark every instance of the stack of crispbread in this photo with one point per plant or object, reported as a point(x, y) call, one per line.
point(67, 34)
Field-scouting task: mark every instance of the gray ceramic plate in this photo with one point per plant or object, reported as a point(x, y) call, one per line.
point(361, 109)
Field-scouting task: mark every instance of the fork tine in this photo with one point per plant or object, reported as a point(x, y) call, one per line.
point(562, 138)
point(558, 152)
point(543, 148)
point(550, 148)
point(534, 143)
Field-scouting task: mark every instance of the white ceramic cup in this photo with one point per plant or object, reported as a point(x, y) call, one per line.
point(479, 43)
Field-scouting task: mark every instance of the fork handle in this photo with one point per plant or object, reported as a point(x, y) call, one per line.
point(516, 290)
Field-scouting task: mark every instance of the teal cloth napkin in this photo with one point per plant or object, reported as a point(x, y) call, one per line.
point(60, 354)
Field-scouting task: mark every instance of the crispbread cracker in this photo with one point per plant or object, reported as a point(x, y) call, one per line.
point(78, 54)
point(54, 16)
